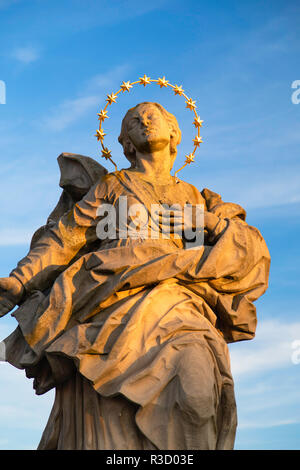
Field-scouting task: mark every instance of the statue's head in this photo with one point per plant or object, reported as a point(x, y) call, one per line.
point(148, 128)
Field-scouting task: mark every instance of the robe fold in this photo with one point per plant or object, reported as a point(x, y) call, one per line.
point(132, 333)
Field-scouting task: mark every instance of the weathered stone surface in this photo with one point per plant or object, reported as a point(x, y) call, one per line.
point(132, 332)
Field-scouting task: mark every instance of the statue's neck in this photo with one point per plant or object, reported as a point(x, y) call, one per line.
point(154, 166)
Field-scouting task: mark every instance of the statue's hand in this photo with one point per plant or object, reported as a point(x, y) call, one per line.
point(210, 221)
point(11, 292)
point(180, 220)
point(175, 221)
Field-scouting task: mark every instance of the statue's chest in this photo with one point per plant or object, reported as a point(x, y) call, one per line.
point(175, 194)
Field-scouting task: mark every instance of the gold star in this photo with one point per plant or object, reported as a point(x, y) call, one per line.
point(111, 98)
point(189, 158)
point(102, 115)
point(162, 82)
point(197, 140)
point(126, 86)
point(106, 153)
point(178, 90)
point(197, 122)
point(100, 135)
point(190, 104)
point(144, 80)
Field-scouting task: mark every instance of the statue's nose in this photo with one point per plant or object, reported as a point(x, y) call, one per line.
point(145, 121)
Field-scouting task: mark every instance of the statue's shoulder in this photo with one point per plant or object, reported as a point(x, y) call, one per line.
point(192, 193)
point(112, 184)
point(114, 178)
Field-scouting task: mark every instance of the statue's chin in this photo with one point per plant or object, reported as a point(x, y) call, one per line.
point(153, 144)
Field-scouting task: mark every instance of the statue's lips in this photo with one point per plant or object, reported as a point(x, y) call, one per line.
point(152, 131)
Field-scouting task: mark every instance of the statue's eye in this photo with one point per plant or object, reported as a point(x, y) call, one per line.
point(133, 121)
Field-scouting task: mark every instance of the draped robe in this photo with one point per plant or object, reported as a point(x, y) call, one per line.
point(132, 333)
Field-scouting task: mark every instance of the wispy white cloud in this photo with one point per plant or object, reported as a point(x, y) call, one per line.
point(280, 188)
point(250, 187)
point(70, 110)
point(16, 236)
point(274, 402)
point(26, 55)
point(266, 380)
point(255, 424)
point(270, 350)
point(18, 402)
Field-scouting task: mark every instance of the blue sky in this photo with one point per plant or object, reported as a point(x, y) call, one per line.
point(238, 60)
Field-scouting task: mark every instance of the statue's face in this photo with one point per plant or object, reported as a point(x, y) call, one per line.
point(147, 129)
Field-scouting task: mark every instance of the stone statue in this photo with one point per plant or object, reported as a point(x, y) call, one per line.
point(132, 331)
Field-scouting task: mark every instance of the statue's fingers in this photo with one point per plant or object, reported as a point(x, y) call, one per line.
point(167, 224)
point(170, 210)
point(173, 222)
point(167, 212)
point(171, 219)
point(172, 229)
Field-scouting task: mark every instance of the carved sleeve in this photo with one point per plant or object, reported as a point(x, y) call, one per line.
point(61, 242)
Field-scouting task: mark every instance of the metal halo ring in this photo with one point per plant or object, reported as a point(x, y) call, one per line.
point(163, 83)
